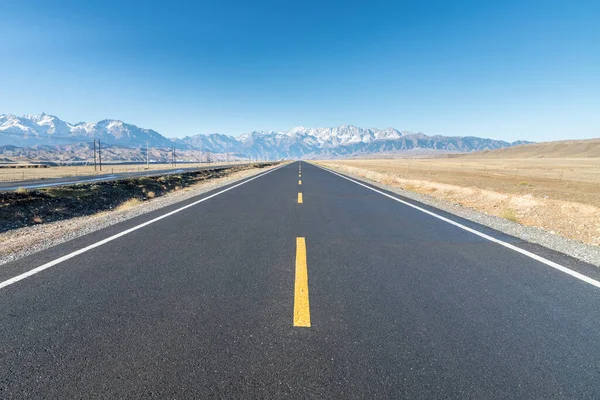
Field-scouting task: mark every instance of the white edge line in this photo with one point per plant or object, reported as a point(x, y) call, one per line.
point(118, 235)
point(529, 254)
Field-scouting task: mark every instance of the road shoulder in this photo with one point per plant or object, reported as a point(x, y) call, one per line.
point(22, 242)
point(578, 250)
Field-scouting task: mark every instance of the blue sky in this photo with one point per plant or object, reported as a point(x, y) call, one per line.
point(502, 69)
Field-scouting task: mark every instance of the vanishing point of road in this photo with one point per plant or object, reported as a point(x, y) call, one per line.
point(299, 283)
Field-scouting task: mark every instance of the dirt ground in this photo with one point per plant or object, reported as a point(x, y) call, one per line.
point(561, 195)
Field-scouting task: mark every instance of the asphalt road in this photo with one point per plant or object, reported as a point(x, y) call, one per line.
point(73, 180)
point(211, 301)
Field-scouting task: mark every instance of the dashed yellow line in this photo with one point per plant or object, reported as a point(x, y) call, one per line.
point(301, 305)
point(299, 198)
point(299, 182)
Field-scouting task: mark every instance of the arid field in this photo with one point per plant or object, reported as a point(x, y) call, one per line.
point(558, 194)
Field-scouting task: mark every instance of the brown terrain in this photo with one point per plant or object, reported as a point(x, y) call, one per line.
point(553, 185)
point(589, 148)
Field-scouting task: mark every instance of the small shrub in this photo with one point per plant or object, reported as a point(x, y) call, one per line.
point(128, 204)
point(509, 214)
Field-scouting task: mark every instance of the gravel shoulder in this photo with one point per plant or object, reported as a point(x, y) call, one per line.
point(21, 242)
point(573, 248)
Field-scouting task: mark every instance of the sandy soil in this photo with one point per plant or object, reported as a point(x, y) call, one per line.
point(558, 195)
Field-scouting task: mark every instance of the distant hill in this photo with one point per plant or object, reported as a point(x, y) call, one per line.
point(588, 148)
point(48, 130)
point(49, 134)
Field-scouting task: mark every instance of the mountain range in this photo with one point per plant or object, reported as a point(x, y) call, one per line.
point(48, 132)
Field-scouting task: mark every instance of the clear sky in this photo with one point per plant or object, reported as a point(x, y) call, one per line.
point(500, 69)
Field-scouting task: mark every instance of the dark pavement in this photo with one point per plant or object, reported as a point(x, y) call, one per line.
point(200, 305)
point(73, 180)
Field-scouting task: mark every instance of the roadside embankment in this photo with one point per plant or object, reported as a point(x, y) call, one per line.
point(34, 220)
point(537, 217)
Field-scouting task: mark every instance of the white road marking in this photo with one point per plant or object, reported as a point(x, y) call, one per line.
point(529, 254)
point(118, 235)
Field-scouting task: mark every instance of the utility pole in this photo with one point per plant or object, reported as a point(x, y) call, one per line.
point(99, 155)
point(95, 169)
point(147, 157)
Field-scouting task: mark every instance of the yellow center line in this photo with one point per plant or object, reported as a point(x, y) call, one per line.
point(299, 182)
point(301, 306)
point(299, 198)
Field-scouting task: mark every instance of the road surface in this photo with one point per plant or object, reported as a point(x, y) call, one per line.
point(73, 180)
point(256, 291)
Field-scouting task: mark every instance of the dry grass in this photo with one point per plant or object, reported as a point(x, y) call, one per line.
point(509, 214)
point(126, 205)
point(560, 195)
point(19, 174)
point(568, 179)
point(588, 148)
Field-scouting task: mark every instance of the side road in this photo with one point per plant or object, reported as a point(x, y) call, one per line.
point(106, 177)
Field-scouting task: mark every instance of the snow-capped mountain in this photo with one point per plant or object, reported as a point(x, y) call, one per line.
point(120, 133)
point(343, 141)
point(31, 129)
point(344, 135)
point(215, 142)
point(48, 130)
point(44, 129)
